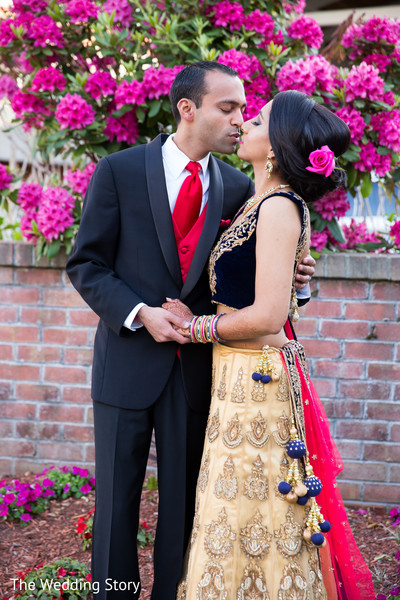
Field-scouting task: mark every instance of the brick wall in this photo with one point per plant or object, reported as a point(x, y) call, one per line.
point(350, 330)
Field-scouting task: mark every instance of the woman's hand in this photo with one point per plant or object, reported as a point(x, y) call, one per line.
point(305, 271)
point(179, 309)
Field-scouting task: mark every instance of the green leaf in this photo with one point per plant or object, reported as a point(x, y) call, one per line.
point(366, 185)
point(351, 155)
point(54, 248)
point(154, 108)
point(336, 231)
point(351, 177)
point(383, 151)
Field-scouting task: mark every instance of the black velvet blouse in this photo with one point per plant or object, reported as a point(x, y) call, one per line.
point(232, 266)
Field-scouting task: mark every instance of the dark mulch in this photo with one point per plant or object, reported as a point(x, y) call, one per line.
point(52, 535)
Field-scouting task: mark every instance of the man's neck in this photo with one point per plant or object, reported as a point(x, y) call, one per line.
point(189, 147)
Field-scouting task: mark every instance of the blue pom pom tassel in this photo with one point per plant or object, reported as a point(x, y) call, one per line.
point(302, 500)
point(295, 449)
point(284, 487)
point(325, 526)
point(313, 485)
point(317, 539)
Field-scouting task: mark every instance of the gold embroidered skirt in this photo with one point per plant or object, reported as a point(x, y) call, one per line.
point(247, 541)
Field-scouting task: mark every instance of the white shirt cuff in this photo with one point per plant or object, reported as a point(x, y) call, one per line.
point(304, 293)
point(130, 322)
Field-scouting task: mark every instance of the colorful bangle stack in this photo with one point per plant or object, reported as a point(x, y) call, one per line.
point(204, 329)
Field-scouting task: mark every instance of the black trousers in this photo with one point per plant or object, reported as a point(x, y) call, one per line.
point(122, 443)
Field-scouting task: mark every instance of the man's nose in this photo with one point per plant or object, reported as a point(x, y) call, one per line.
point(237, 118)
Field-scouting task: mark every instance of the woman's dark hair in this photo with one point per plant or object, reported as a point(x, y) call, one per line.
point(297, 127)
point(189, 83)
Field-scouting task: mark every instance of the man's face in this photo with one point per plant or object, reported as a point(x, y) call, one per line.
point(217, 121)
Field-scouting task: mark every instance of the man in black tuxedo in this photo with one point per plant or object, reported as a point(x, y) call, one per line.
point(125, 264)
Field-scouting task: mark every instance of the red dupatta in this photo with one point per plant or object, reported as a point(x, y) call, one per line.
point(352, 577)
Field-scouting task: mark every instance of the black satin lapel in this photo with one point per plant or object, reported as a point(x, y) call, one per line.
point(160, 207)
point(210, 228)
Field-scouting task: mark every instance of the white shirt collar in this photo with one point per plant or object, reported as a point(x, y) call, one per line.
point(176, 160)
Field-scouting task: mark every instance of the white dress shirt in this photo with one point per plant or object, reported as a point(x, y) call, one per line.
point(174, 162)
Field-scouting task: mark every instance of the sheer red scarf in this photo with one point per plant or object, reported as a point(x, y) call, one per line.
point(352, 577)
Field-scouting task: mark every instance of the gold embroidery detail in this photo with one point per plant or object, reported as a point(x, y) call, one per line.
point(254, 538)
point(293, 586)
point(316, 575)
point(181, 593)
point(256, 486)
point(232, 436)
point(253, 585)
point(289, 538)
point(226, 485)
point(212, 584)
point(259, 392)
point(283, 388)
point(213, 380)
point(221, 391)
point(196, 524)
point(218, 542)
point(204, 473)
point(238, 393)
point(258, 435)
point(213, 427)
point(282, 433)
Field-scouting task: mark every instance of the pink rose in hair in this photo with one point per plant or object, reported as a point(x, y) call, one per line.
point(322, 161)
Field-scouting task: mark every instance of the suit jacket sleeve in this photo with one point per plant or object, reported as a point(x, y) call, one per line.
point(91, 266)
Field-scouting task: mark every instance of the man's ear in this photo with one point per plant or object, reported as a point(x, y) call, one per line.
point(187, 109)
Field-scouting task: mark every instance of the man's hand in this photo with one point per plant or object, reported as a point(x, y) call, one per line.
point(161, 323)
point(305, 271)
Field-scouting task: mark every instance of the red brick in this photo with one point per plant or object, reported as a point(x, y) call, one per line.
point(39, 277)
point(78, 433)
point(18, 448)
point(18, 410)
point(20, 372)
point(9, 314)
point(26, 429)
point(85, 318)
point(306, 327)
point(328, 407)
point(388, 331)
point(6, 275)
point(60, 451)
point(349, 449)
point(6, 352)
point(370, 311)
point(363, 471)
point(323, 308)
point(348, 409)
point(80, 356)
point(63, 297)
point(385, 371)
point(361, 430)
point(383, 452)
point(24, 466)
point(76, 395)
point(326, 388)
point(385, 291)
point(49, 431)
point(36, 392)
point(89, 454)
point(350, 491)
point(20, 295)
point(65, 337)
point(66, 414)
point(44, 316)
point(383, 411)
point(89, 415)
point(19, 333)
point(344, 329)
point(339, 369)
point(5, 466)
point(395, 433)
point(394, 474)
point(6, 429)
point(342, 289)
point(325, 348)
point(5, 390)
point(389, 493)
point(396, 392)
point(369, 350)
point(367, 390)
point(65, 374)
point(35, 354)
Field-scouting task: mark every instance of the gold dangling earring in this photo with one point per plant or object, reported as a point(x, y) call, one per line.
point(269, 167)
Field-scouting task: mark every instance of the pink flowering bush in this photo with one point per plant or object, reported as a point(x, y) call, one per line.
point(92, 77)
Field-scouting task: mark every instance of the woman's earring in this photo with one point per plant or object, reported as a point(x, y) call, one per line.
point(268, 167)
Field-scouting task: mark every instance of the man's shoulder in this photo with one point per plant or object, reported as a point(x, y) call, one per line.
point(128, 154)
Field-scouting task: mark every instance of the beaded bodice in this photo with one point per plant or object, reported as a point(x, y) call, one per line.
point(232, 265)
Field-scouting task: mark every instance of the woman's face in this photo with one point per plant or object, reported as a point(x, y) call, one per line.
point(255, 146)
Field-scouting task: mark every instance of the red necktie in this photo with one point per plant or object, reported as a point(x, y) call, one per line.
point(188, 203)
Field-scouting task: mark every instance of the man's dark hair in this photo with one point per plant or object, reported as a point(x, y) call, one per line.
point(189, 83)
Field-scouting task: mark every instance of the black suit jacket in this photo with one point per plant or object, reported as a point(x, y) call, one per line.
point(125, 253)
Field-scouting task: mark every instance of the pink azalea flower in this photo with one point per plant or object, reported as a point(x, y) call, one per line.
point(228, 14)
point(79, 180)
point(3, 510)
point(33, 6)
point(297, 8)
point(85, 489)
point(363, 81)
point(157, 81)
point(47, 482)
point(356, 233)
point(73, 112)
point(129, 92)
point(26, 517)
point(55, 212)
point(387, 124)
point(333, 204)
point(9, 498)
point(297, 75)
point(123, 129)
point(5, 178)
point(354, 119)
point(246, 66)
point(260, 22)
point(46, 32)
point(29, 197)
point(307, 30)
point(395, 232)
point(123, 11)
point(66, 488)
point(81, 11)
point(100, 84)
point(48, 79)
point(8, 87)
point(318, 240)
point(6, 33)
point(380, 61)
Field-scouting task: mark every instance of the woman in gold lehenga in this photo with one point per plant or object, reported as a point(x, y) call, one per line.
point(261, 525)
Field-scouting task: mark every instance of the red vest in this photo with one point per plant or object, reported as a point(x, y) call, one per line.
point(187, 245)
